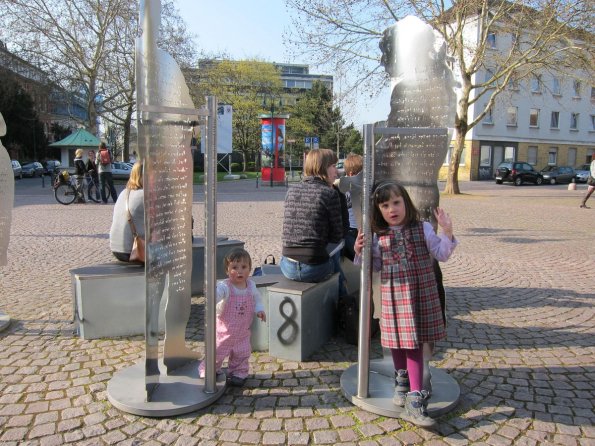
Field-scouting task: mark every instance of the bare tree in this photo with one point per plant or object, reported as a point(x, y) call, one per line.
point(87, 46)
point(69, 40)
point(549, 35)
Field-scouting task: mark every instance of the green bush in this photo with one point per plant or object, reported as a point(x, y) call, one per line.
point(251, 166)
point(236, 167)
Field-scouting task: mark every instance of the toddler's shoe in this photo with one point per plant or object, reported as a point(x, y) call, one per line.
point(236, 381)
point(401, 387)
point(416, 411)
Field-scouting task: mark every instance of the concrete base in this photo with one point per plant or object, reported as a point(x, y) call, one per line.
point(445, 390)
point(4, 320)
point(179, 393)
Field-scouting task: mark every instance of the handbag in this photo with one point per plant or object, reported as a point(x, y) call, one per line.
point(137, 254)
point(591, 181)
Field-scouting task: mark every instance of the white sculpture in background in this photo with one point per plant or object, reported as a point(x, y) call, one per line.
point(6, 196)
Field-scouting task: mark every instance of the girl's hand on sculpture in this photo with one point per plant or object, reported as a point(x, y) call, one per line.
point(359, 243)
point(444, 221)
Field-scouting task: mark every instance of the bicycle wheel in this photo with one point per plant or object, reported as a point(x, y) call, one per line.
point(93, 192)
point(65, 194)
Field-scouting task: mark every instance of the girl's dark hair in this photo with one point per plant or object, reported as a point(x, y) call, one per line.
point(381, 192)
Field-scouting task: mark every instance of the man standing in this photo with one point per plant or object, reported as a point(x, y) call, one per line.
point(104, 163)
point(590, 184)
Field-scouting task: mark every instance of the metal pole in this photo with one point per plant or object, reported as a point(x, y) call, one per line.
point(363, 366)
point(274, 154)
point(210, 179)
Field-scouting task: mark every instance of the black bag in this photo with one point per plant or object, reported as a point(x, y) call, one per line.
point(269, 260)
point(348, 318)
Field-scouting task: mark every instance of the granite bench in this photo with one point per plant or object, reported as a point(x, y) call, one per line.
point(109, 299)
point(300, 316)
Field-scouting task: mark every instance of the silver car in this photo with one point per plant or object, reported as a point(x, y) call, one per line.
point(582, 173)
point(16, 169)
point(121, 171)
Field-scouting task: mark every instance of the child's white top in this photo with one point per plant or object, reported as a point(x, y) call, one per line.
point(223, 295)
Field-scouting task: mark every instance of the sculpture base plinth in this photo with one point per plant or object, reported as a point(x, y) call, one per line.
point(445, 390)
point(179, 393)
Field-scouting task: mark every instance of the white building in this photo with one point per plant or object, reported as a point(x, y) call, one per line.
point(545, 119)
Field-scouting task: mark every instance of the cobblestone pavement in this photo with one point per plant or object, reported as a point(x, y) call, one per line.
point(520, 293)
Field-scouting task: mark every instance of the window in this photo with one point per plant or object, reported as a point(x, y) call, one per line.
point(449, 154)
point(513, 83)
point(592, 93)
point(592, 122)
point(508, 153)
point(534, 117)
point(536, 84)
point(532, 155)
point(552, 156)
point(556, 87)
point(511, 116)
point(485, 157)
point(574, 121)
point(555, 120)
point(491, 41)
point(576, 88)
point(489, 117)
point(571, 158)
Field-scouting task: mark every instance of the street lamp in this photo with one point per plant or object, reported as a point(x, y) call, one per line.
point(275, 154)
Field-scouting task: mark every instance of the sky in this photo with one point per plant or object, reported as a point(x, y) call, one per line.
point(254, 29)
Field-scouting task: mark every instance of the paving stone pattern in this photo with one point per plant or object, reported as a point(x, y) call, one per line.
point(521, 332)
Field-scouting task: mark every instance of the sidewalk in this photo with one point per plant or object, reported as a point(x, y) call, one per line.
point(521, 332)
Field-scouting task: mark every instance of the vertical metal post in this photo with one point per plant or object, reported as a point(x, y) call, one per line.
point(210, 180)
point(274, 154)
point(363, 360)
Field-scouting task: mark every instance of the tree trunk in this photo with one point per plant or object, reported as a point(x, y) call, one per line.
point(127, 124)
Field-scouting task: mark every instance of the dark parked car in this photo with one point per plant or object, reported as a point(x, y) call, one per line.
point(517, 173)
point(558, 174)
point(33, 169)
point(52, 166)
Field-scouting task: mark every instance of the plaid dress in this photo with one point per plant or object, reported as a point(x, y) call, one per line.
point(411, 312)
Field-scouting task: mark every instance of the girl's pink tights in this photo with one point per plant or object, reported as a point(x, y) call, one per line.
point(413, 362)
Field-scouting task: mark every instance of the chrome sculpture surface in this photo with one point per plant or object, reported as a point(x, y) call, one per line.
point(423, 105)
point(6, 196)
point(164, 104)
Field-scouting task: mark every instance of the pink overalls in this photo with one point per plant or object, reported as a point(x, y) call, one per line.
point(233, 332)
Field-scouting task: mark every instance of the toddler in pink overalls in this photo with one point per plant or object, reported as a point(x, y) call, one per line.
point(237, 301)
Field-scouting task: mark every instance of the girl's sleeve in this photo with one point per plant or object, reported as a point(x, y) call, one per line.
point(259, 306)
point(222, 296)
point(376, 260)
point(440, 246)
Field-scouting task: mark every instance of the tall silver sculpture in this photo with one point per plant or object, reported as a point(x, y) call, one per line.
point(6, 196)
point(166, 115)
point(413, 146)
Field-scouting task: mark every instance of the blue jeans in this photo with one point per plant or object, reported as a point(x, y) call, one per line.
point(305, 272)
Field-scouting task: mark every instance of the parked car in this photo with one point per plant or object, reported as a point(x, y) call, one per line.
point(17, 169)
point(340, 168)
point(517, 173)
point(583, 172)
point(558, 174)
point(52, 166)
point(121, 171)
point(33, 169)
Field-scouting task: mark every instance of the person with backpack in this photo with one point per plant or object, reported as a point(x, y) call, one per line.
point(104, 163)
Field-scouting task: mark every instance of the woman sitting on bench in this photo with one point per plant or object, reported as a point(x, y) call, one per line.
point(311, 221)
point(120, 236)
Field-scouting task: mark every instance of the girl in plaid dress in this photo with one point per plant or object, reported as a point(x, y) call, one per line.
point(403, 250)
point(237, 301)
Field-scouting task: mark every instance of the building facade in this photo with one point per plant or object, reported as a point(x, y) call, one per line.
point(546, 119)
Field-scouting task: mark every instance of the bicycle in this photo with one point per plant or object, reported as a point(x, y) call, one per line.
point(65, 190)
